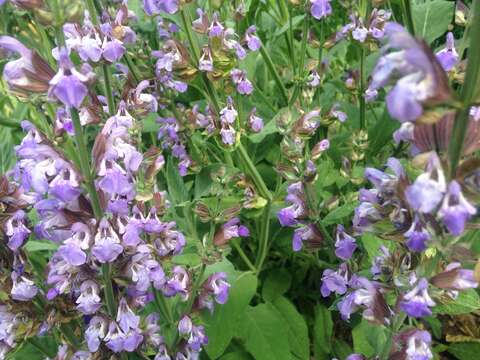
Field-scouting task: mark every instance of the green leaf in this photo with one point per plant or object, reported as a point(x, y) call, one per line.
point(7, 155)
point(237, 355)
point(276, 284)
point(372, 244)
point(467, 301)
point(322, 330)
point(339, 213)
point(431, 18)
point(465, 351)
point(297, 327)
point(176, 188)
point(187, 259)
point(265, 333)
point(368, 339)
point(381, 133)
point(38, 245)
point(221, 326)
point(295, 21)
point(341, 349)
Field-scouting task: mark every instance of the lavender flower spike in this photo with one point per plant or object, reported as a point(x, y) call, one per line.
point(455, 278)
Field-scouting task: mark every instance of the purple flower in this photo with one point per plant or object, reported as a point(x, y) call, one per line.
point(455, 278)
point(216, 28)
point(126, 318)
point(455, 210)
point(197, 338)
point(418, 346)
point(306, 234)
point(218, 286)
point(153, 7)
point(89, 300)
point(255, 122)
point(68, 85)
point(185, 325)
point(205, 63)
point(107, 245)
point(29, 73)
point(16, 230)
point(239, 78)
point(178, 283)
point(334, 281)
point(448, 57)
point(252, 40)
point(417, 77)
point(228, 135)
point(320, 8)
point(96, 331)
point(426, 193)
point(360, 34)
point(345, 244)
point(23, 289)
point(417, 303)
point(417, 236)
point(290, 215)
point(313, 79)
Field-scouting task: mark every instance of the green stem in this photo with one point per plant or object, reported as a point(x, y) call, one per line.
point(187, 26)
point(242, 254)
point(264, 237)
point(107, 77)
point(93, 12)
point(274, 73)
point(361, 98)
point(162, 306)
point(468, 92)
point(108, 291)
point(133, 68)
point(85, 164)
point(253, 172)
point(407, 15)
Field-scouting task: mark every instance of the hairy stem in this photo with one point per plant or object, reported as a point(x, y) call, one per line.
point(242, 254)
point(361, 98)
point(264, 237)
point(253, 172)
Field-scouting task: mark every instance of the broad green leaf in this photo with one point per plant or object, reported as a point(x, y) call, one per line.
point(339, 213)
point(38, 245)
point(276, 284)
point(265, 333)
point(322, 330)
point(297, 327)
point(222, 324)
point(176, 187)
point(465, 351)
point(467, 301)
point(431, 18)
point(149, 124)
point(368, 339)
